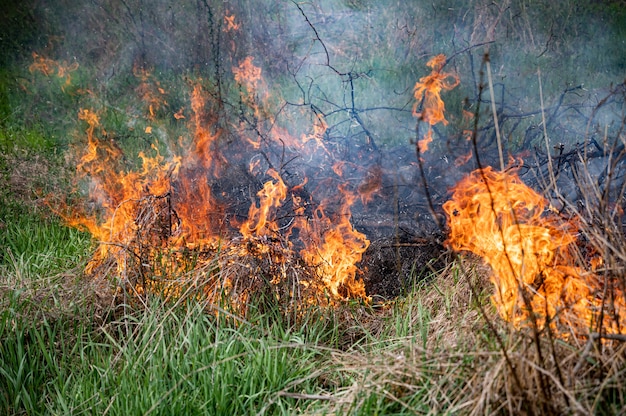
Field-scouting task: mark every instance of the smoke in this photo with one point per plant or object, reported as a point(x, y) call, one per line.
point(341, 73)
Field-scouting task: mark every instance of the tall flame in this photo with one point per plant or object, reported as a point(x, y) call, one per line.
point(117, 192)
point(194, 216)
point(248, 76)
point(271, 197)
point(427, 92)
point(334, 247)
point(151, 216)
point(154, 220)
point(530, 249)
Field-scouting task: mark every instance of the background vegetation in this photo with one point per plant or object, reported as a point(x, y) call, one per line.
point(441, 349)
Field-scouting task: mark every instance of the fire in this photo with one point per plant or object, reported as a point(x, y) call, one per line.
point(427, 92)
point(150, 92)
point(319, 130)
point(184, 211)
point(119, 194)
point(371, 185)
point(463, 159)
point(156, 222)
point(248, 76)
point(334, 247)
point(48, 66)
point(531, 251)
point(271, 196)
point(229, 21)
point(205, 140)
point(159, 220)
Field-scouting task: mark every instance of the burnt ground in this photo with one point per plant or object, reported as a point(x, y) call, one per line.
point(406, 244)
point(392, 266)
point(402, 218)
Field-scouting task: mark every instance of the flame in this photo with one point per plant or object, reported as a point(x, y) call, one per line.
point(151, 216)
point(248, 76)
point(118, 193)
point(320, 126)
point(463, 159)
point(229, 21)
point(193, 215)
point(44, 65)
point(205, 141)
point(371, 185)
point(427, 92)
point(271, 196)
point(48, 66)
point(150, 92)
point(530, 250)
point(334, 247)
point(180, 114)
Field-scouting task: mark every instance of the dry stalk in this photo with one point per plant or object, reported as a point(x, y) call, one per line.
point(494, 112)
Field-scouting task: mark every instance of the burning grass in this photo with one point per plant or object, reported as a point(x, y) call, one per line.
point(169, 226)
point(440, 348)
point(165, 226)
point(276, 261)
point(443, 349)
point(532, 251)
point(429, 352)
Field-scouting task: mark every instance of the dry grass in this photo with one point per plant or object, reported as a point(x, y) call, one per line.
point(469, 361)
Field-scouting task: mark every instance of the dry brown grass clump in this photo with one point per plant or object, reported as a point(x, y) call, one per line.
point(444, 349)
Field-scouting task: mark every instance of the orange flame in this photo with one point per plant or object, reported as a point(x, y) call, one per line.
point(249, 77)
point(48, 66)
point(271, 196)
point(463, 159)
point(229, 21)
point(427, 91)
point(371, 185)
point(205, 141)
point(334, 248)
point(150, 92)
point(247, 74)
point(320, 126)
point(117, 192)
point(180, 114)
point(530, 249)
point(166, 205)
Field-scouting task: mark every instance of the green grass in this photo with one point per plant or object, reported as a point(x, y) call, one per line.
point(184, 362)
point(57, 357)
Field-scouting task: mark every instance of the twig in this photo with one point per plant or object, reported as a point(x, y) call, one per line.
point(306, 396)
point(593, 337)
point(494, 111)
point(614, 337)
point(545, 135)
point(556, 382)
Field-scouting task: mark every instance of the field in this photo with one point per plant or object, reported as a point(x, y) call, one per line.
point(334, 207)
